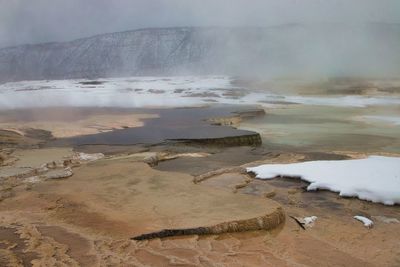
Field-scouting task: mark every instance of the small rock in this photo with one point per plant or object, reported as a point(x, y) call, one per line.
point(270, 194)
point(59, 174)
point(151, 160)
point(51, 165)
point(42, 168)
point(241, 185)
point(71, 163)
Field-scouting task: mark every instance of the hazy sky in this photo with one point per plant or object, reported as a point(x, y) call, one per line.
point(34, 21)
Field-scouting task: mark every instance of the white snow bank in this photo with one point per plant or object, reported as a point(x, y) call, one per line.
point(367, 222)
point(375, 178)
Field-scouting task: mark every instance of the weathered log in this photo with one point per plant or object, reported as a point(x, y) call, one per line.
point(267, 222)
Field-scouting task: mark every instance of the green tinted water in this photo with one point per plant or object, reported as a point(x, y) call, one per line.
point(323, 128)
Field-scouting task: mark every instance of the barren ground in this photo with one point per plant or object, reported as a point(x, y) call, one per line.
point(88, 218)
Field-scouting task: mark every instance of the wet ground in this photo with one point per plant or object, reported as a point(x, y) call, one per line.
point(325, 129)
point(173, 124)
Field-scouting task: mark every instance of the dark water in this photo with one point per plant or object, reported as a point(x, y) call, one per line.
point(173, 124)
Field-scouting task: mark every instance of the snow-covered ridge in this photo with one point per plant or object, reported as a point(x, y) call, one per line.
point(375, 178)
point(212, 50)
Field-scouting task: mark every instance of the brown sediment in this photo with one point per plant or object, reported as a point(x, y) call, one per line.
point(153, 159)
point(79, 248)
point(89, 218)
point(251, 139)
point(207, 175)
point(44, 128)
point(29, 167)
point(10, 138)
point(266, 222)
point(241, 169)
point(13, 248)
point(147, 200)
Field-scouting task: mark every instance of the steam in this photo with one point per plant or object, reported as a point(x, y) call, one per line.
point(26, 21)
point(299, 38)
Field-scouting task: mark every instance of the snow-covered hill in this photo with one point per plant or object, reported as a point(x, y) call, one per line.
point(295, 49)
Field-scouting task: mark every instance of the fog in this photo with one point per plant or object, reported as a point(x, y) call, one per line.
point(36, 21)
point(297, 38)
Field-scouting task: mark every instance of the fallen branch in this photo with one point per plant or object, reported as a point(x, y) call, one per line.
point(301, 224)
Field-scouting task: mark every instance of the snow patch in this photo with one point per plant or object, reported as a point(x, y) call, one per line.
point(375, 178)
point(309, 221)
point(88, 157)
point(128, 92)
point(32, 180)
point(178, 91)
point(367, 222)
